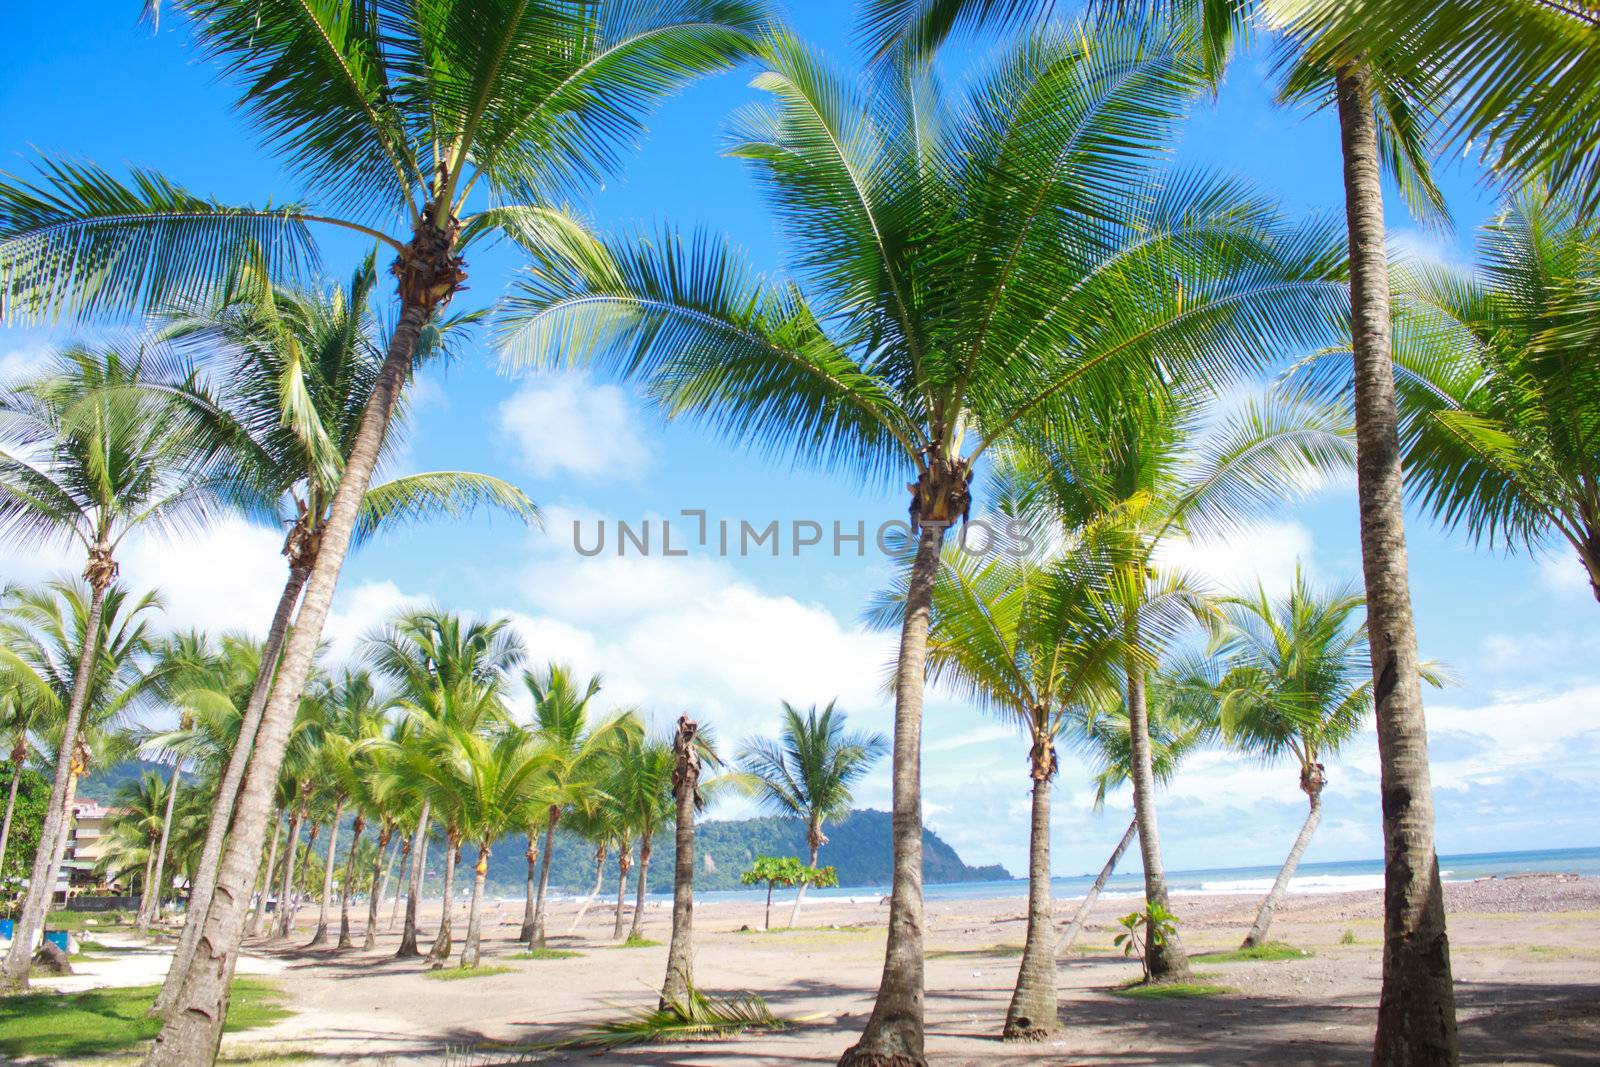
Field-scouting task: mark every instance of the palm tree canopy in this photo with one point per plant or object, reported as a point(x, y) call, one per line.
point(810, 770)
point(1183, 716)
point(392, 116)
point(1299, 679)
point(1498, 387)
point(957, 267)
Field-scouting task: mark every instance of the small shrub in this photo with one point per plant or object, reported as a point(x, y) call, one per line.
point(1347, 938)
point(1158, 924)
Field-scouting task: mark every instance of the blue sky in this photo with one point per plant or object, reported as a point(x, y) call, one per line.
point(1514, 743)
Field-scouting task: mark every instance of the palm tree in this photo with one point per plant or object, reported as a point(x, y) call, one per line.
point(19, 712)
point(355, 717)
point(79, 464)
point(447, 671)
point(1294, 687)
point(489, 781)
point(1384, 78)
point(1027, 639)
point(1130, 478)
point(397, 143)
point(596, 825)
point(642, 792)
point(947, 290)
point(693, 752)
point(1181, 716)
point(808, 774)
point(133, 832)
point(296, 368)
point(579, 759)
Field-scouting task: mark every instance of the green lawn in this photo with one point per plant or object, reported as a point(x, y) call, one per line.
point(1272, 951)
point(79, 920)
point(102, 1021)
point(636, 942)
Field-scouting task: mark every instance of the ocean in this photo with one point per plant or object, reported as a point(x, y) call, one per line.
point(1310, 878)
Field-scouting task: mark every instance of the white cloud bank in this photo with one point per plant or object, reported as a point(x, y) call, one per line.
point(565, 424)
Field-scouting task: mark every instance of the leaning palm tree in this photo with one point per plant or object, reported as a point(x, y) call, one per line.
point(580, 756)
point(398, 124)
point(958, 271)
point(1387, 76)
point(294, 371)
point(1027, 639)
point(808, 773)
point(80, 463)
point(1294, 687)
point(1181, 716)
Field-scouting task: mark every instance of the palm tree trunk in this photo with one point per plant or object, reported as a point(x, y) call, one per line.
point(142, 918)
point(636, 931)
point(1032, 1015)
point(443, 940)
point(469, 954)
point(161, 852)
point(222, 803)
point(381, 868)
point(193, 1029)
point(1416, 1011)
point(1258, 932)
point(399, 885)
point(265, 878)
point(766, 918)
point(544, 875)
point(285, 916)
point(624, 859)
point(893, 1037)
point(1076, 926)
point(680, 951)
point(52, 834)
point(419, 854)
point(800, 894)
point(599, 877)
point(349, 880)
point(526, 933)
point(1167, 960)
point(321, 935)
point(11, 807)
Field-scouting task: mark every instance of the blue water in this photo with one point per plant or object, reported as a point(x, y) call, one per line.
point(1311, 878)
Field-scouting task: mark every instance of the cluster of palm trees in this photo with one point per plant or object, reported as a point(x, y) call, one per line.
point(1014, 283)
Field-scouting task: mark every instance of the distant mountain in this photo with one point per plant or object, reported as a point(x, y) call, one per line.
point(858, 848)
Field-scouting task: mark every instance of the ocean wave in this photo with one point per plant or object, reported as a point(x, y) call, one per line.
point(1316, 883)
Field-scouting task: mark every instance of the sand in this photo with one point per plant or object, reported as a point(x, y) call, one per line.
point(1526, 953)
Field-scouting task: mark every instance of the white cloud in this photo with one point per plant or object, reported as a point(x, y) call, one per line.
point(1562, 572)
point(23, 362)
point(565, 424)
point(361, 610)
point(1266, 552)
point(228, 577)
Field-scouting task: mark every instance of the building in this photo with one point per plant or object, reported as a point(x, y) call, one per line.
point(86, 844)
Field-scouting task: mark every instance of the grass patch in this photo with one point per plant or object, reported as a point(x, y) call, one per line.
point(102, 1021)
point(79, 920)
point(452, 974)
point(1272, 951)
point(1006, 951)
point(547, 954)
point(696, 1017)
point(636, 942)
point(1142, 990)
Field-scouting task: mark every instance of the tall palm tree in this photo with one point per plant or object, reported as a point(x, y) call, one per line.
point(294, 370)
point(354, 721)
point(1385, 80)
point(23, 699)
point(489, 778)
point(693, 753)
point(642, 793)
point(809, 771)
point(133, 832)
point(596, 825)
point(1181, 716)
point(81, 464)
point(955, 275)
point(1294, 687)
point(1027, 639)
point(579, 759)
point(398, 126)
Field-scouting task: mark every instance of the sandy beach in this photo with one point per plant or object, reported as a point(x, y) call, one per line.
point(1526, 952)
